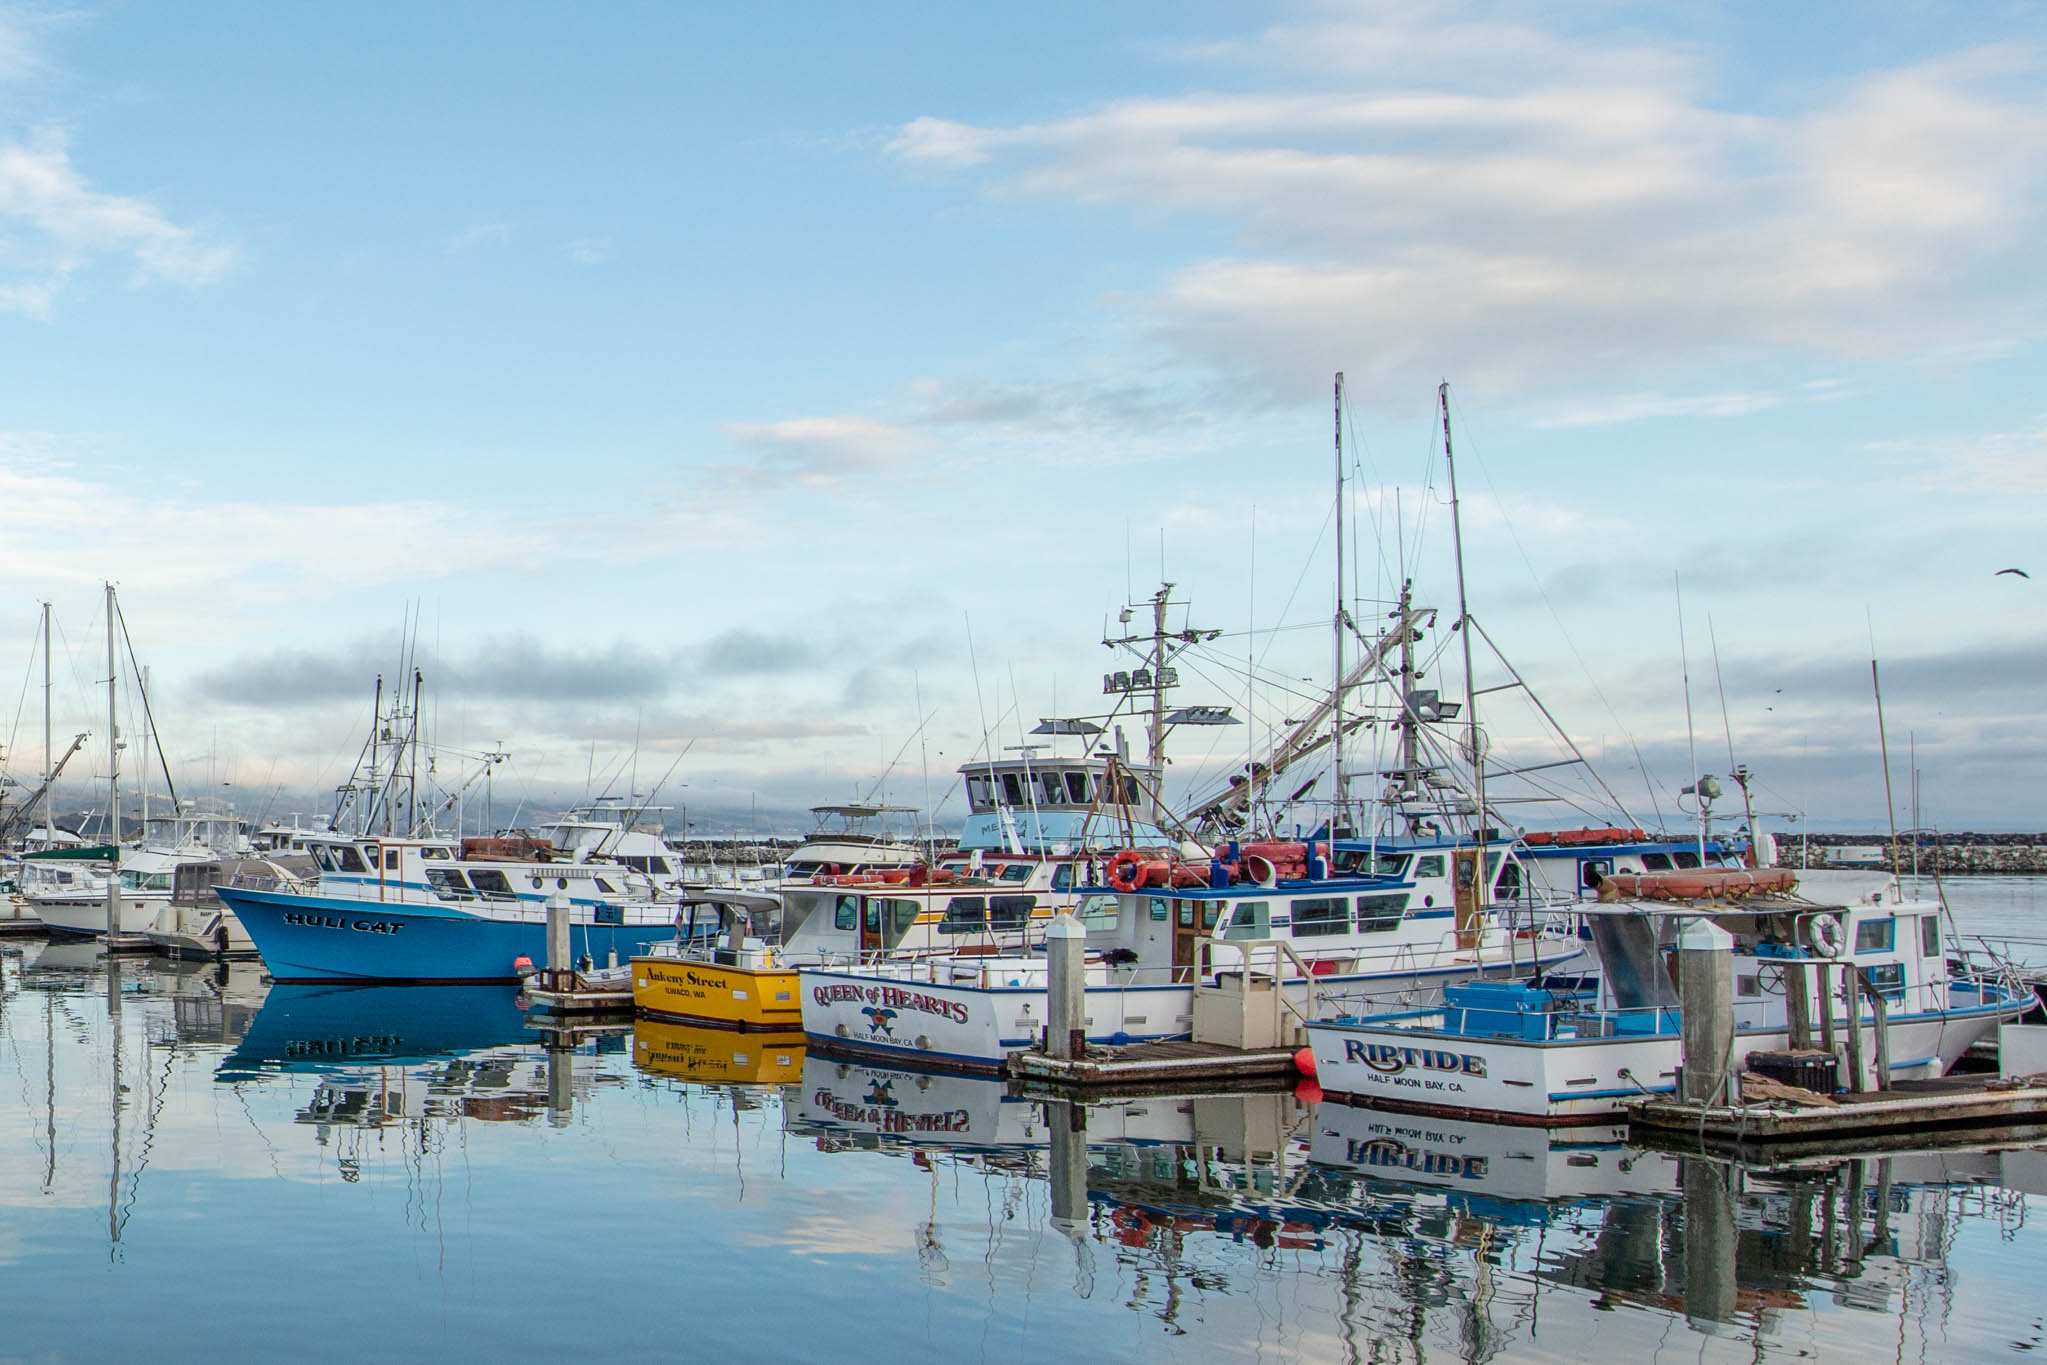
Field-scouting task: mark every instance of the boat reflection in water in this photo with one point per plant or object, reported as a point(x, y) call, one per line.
point(1734, 1249)
point(717, 1056)
point(412, 1056)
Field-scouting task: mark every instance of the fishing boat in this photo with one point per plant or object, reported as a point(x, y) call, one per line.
point(386, 908)
point(1524, 1053)
point(716, 970)
point(1270, 914)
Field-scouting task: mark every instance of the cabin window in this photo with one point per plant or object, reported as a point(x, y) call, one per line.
point(980, 791)
point(1055, 790)
point(1322, 915)
point(1010, 912)
point(449, 884)
point(1158, 908)
point(390, 860)
point(1686, 860)
point(1364, 862)
point(1508, 886)
point(904, 914)
point(603, 885)
point(1251, 919)
point(1186, 914)
point(348, 860)
point(1062, 877)
point(846, 913)
point(1656, 862)
point(1077, 789)
point(1594, 871)
point(1929, 936)
point(1129, 790)
point(1887, 980)
point(964, 915)
point(1012, 790)
point(1018, 872)
point(659, 867)
point(1429, 866)
point(440, 853)
point(1376, 914)
point(491, 884)
point(1747, 987)
point(956, 867)
point(1875, 935)
point(324, 856)
point(1097, 912)
point(871, 920)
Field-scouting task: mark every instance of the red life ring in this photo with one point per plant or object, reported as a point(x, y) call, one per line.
point(1126, 869)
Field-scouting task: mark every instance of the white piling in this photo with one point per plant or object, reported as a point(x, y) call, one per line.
point(1065, 987)
point(1705, 967)
point(558, 950)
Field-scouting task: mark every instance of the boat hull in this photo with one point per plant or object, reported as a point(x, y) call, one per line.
point(322, 938)
point(83, 916)
point(918, 1018)
point(704, 993)
point(1582, 1080)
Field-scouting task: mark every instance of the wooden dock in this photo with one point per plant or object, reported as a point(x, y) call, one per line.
point(1151, 1067)
point(565, 993)
point(1894, 1119)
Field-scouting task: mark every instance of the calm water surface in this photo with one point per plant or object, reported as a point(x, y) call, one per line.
point(200, 1167)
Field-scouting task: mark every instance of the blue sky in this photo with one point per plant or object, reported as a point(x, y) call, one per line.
point(704, 374)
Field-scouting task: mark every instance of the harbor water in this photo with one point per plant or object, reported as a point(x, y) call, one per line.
point(200, 1165)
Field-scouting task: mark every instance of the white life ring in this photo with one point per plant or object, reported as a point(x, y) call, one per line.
point(1823, 932)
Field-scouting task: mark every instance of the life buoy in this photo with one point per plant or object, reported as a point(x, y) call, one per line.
point(1823, 932)
point(1126, 869)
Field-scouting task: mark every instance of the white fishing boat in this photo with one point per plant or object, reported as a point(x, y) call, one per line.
point(1524, 1054)
point(1318, 938)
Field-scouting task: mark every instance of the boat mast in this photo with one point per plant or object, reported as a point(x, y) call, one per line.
point(1155, 728)
point(1336, 759)
point(113, 737)
point(1464, 628)
point(49, 757)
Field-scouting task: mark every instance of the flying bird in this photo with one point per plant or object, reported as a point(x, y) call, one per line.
point(2002, 572)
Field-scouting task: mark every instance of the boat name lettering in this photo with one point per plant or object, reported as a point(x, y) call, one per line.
point(1393, 1059)
point(893, 998)
point(891, 1120)
point(361, 926)
point(1386, 1152)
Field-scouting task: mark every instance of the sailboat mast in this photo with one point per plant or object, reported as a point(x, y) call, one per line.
point(1336, 738)
point(1464, 628)
point(49, 755)
point(113, 737)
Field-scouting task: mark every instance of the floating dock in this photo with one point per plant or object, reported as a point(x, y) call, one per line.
point(1150, 1067)
point(1870, 1123)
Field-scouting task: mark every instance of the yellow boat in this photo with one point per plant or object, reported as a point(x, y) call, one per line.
point(715, 971)
point(718, 1056)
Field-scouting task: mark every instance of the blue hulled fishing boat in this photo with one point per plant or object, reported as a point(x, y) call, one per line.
point(391, 909)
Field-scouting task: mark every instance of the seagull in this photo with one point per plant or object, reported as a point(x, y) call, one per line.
point(2002, 572)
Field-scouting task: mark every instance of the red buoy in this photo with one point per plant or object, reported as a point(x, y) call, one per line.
point(1308, 1092)
point(522, 965)
point(1304, 1061)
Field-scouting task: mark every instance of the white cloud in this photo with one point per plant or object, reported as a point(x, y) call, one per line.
point(1581, 207)
point(822, 453)
point(1738, 403)
point(589, 250)
point(478, 234)
point(54, 224)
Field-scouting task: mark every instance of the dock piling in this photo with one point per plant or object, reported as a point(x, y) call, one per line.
point(1065, 988)
point(1705, 955)
point(558, 949)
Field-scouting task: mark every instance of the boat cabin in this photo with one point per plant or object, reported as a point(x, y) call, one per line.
point(427, 870)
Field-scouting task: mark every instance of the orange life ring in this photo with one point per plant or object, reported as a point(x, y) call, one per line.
point(1126, 869)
